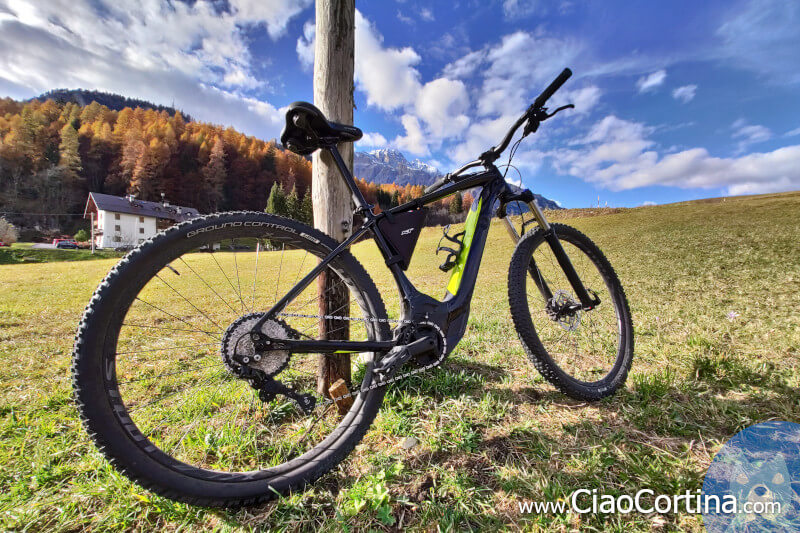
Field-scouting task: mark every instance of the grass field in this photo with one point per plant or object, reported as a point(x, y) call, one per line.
point(713, 288)
point(21, 252)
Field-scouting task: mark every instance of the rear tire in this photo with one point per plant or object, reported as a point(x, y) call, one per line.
point(104, 412)
point(602, 349)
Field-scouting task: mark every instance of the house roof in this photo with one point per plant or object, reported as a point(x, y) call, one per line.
point(118, 204)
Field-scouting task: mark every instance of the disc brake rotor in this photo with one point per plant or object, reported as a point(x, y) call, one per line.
point(568, 321)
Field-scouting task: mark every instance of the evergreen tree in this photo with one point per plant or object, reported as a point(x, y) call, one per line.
point(456, 204)
point(307, 208)
point(395, 199)
point(293, 205)
point(276, 203)
point(214, 174)
point(70, 159)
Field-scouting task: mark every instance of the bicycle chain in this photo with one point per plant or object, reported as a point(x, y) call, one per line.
point(398, 377)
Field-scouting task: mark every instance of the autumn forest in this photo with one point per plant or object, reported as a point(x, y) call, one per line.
point(52, 154)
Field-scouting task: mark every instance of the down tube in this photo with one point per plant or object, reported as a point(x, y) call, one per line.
point(476, 229)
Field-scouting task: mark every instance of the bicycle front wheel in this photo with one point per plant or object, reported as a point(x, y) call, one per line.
point(156, 380)
point(585, 353)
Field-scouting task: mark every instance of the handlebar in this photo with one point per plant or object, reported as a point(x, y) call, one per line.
point(493, 153)
point(552, 88)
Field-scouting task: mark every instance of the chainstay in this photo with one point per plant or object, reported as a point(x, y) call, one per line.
point(439, 360)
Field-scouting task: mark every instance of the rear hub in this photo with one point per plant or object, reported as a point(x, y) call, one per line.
point(237, 346)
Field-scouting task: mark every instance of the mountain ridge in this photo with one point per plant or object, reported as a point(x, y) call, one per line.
point(387, 165)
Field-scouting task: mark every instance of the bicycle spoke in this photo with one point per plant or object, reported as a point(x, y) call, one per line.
point(238, 283)
point(168, 374)
point(209, 286)
point(255, 273)
point(173, 316)
point(280, 267)
point(239, 295)
point(190, 303)
point(173, 393)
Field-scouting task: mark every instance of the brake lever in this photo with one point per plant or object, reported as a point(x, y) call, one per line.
point(562, 108)
point(538, 116)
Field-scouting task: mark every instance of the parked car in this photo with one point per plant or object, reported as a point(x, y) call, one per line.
point(67, 244)
point(3, 244)
point(60, 239)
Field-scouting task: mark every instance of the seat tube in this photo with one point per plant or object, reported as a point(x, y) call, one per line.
point(347, 176)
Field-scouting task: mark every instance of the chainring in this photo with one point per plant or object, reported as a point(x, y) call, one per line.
point(237, 341)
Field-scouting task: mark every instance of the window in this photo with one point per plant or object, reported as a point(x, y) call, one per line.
point(141, 230)
point(141, 220)
point(116, 216)
point(117, 228)
point(117, 238)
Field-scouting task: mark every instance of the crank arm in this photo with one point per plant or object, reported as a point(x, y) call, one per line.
point(387, 366)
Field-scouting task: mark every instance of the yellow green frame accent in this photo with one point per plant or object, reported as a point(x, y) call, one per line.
point(469, 232)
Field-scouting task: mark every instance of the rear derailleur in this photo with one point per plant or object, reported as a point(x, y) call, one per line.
point(268, 388)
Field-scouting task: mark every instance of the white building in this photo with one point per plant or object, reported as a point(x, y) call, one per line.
point(120, 222)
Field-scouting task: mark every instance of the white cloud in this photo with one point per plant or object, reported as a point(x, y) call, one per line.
point(274, 14)
point(403, 18)
point(464, 66)
point(414, 139)
point(514, 9)
point(372, 139)
point(618, 155)
point(748, 134)
point(305, 45)
point(193, 55)
point(762, 36)
point(442, 104)
point(651, 81)
point(793, 132)
point(426, 14)
point(584, 99)
point(648, 202)
point(685, 93)
point(386, 75)
point(519, 68)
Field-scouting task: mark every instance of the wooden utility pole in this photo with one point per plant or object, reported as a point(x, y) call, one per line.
point(333, 95)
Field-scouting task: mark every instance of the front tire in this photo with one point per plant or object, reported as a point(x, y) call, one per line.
point(586, 355)
point(208, 460)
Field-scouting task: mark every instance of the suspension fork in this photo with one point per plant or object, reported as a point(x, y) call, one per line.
point(587, 302)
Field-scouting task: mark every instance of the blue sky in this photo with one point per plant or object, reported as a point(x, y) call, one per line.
point(675, 100)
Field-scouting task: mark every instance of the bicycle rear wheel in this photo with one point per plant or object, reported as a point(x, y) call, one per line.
point(585, 353)
point(157, 386)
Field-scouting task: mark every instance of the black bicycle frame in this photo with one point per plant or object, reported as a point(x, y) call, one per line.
point(450, 314)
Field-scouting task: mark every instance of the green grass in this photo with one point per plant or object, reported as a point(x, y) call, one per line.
point(712, 287)
point(21, 252)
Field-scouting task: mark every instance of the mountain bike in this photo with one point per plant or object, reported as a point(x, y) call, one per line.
point(195, 363)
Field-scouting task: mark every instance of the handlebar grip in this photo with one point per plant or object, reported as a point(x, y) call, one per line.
point(552, 88)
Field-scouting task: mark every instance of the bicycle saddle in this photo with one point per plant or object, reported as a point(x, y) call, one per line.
point(307, 129)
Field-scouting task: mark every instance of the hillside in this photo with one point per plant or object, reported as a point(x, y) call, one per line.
point(53, 153)
point(115, 102)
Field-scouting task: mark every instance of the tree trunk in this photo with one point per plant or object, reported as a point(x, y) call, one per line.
point(333, 95)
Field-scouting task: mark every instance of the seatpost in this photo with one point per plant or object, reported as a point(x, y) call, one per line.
point(358, 198)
